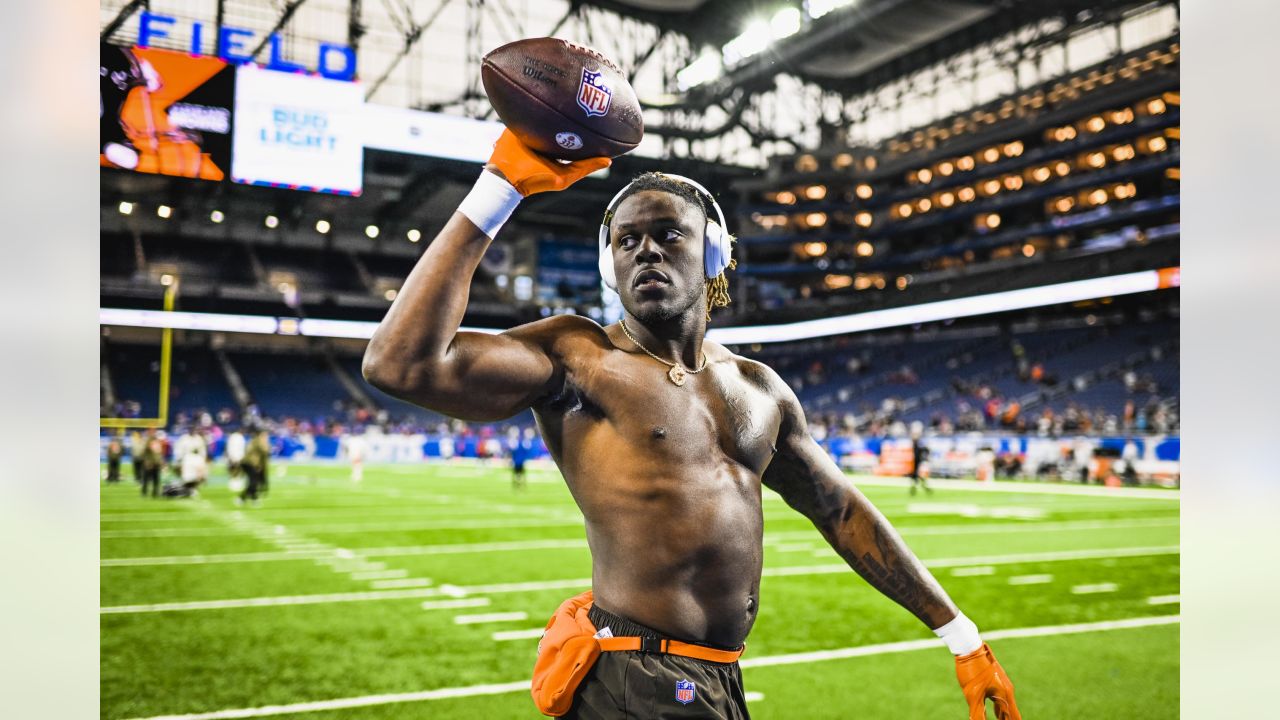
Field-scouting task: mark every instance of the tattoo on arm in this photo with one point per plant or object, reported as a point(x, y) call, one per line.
point(807, 479)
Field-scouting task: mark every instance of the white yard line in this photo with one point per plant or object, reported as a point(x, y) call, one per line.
point(1094, 589)
point(572, 543)
point(507, 635)
point(973, 571)
point(352, 528)
point(1164, 599)
point(1030, 579)
point(749, 662)
point(455, 603)
point(1021, 487)
point(399, 583)
point(753, 696)
point(489, 618)
point(584, 583)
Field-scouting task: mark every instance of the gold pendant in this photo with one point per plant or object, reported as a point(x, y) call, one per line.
point(677, 374)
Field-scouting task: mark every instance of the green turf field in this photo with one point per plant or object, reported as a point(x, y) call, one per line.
point(421, 592)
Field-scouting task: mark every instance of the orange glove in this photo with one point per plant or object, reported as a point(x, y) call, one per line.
point(529, 173)
point(981, 677)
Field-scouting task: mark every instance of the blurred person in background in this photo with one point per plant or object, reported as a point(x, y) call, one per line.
point(256, 456)
point(356, 447)
point(919, 462)
point(235, 454)
point(137, 446)
point(115, 451)
point(152, 463)
point(521, 452)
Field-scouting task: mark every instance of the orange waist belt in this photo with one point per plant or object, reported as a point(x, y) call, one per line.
point(569, 649)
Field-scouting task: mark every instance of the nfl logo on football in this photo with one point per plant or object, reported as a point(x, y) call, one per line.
point(594, 96)
point(684, 692)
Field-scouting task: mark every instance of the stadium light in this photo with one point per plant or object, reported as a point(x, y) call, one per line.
point(371, 231)
point(126, 208)
point(863, 219)
point(1029, 250)
point(271, 221)
point(863, 191)
point(815, 192)
point(390, 294)
point(815, 248)
point(786, 197)
point(706, 68)
point(865, 249)
point(322, 226)
point(164, 211)
point(818, 8)
point(816, 219)
point(217, 216)
point(752, 40)
point(414, 235)
point(166, 279)
point(785, 23)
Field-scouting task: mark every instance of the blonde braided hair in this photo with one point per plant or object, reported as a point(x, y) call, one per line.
point(718, 290)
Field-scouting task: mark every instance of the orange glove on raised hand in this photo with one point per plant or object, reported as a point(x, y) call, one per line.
point(531, 173)
point(981, 677)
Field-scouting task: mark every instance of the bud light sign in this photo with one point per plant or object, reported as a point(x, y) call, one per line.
point(297, 131)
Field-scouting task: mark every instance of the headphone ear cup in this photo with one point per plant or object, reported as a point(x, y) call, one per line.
point(606, 263)
point(717, 249)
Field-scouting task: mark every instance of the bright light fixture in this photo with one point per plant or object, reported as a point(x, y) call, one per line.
point(164, 211)
point(371, 231)
point(706, 68)
point(414, 235)
point(322, 226)
point(785, 23)
point(752, 40)
point(126, 208)
point(271, 221)
point(217, 216)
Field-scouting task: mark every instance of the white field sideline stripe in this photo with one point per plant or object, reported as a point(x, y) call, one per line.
point(1164, 599)
point(749, 662)
point(907, 645)
point(489, 618)
point(352, 528)
point(570, 543)
point(1021, 487)
point(505, 635)
point(584, 583)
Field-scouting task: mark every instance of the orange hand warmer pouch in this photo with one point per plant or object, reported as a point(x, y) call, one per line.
point(566, 653)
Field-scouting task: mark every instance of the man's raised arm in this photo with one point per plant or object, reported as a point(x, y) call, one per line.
point(807, 478)
point(417, 353)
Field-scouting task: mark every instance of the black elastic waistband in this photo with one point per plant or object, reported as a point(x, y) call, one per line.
point(622, 627)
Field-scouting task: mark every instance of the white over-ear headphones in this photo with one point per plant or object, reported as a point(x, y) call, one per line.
point(717, 249)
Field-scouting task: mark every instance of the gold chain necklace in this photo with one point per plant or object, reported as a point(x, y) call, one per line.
point(677, 372)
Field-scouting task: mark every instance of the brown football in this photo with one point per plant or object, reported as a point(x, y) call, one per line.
point(563, 100)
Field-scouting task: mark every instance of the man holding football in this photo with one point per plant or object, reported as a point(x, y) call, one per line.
point(664, 440)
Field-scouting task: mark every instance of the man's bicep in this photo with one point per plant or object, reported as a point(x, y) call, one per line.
point(497, 376)
point(802, 472)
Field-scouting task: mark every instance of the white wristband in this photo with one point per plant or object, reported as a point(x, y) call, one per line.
point(960, 635)
point(490, 203)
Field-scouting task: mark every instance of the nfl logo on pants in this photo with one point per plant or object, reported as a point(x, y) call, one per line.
point(684, 692)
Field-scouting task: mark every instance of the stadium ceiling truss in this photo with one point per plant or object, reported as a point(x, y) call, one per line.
point(831, 83)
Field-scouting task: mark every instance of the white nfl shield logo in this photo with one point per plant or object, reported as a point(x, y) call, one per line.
point(594, 94)
point(685, 692)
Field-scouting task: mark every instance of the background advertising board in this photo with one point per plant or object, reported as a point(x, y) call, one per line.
point(165, 112)
point(298, 131)
point(417, 132)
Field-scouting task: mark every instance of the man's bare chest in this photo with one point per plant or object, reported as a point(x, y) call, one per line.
point(717, 410)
